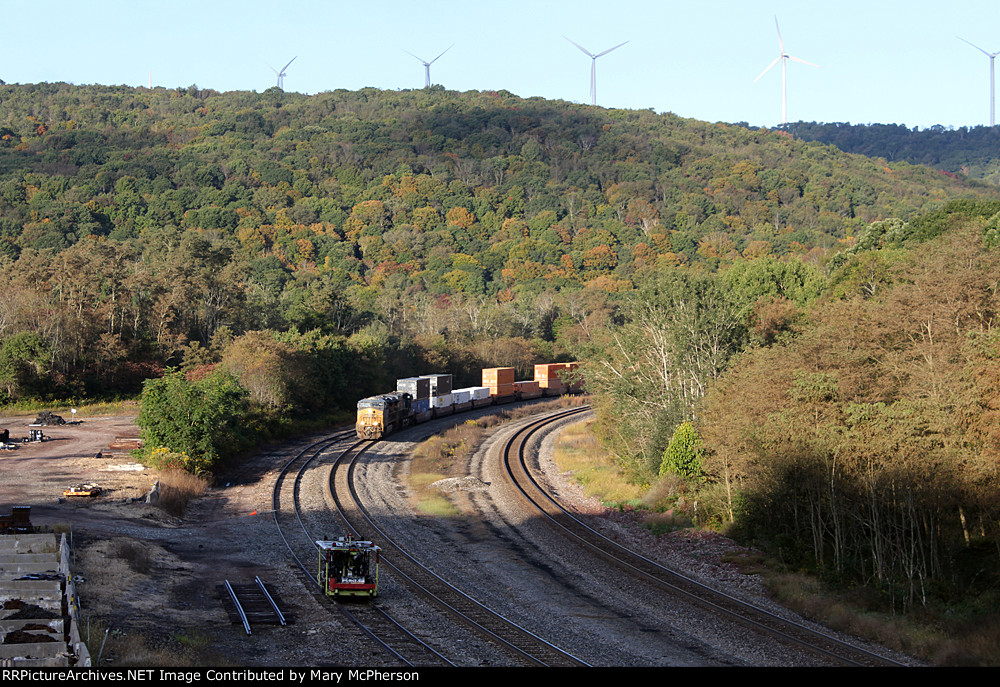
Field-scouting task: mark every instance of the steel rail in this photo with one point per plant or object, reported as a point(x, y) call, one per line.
point(318, 447)
point(270, 600)
point(239, 607)
point(301, 463)
point(703, 594)
point(387, 542)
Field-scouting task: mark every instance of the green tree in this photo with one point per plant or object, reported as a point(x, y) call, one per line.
point(200, 419)
point(23, 362)
point(684, 453)
point(275, 374)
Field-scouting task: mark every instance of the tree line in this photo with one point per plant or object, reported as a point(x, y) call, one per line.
point(843, 418)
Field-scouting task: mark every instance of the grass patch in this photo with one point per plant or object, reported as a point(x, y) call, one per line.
point(662, 523)
point(440, 457)
point(178, 487)
point(944, 636)
point(447, 454)
point(63, 408)
point(437, 505)
point(578, 452)
point(429, 500)
point(135, 555)
point(111, 646)
point(193, 639)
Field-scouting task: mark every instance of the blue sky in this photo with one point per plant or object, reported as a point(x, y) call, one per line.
point(879, 61)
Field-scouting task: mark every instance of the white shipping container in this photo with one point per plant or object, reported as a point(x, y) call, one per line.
point(461, 396)
point(480, 392)
point(442, 401)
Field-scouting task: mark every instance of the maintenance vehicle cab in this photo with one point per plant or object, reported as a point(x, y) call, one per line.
point(348, 567)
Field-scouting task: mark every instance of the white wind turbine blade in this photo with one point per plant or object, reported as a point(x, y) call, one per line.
point(992, 57)
point(439, 56)
point(769, 67)
point(977, 47)
point(795, 59)
point(781, 45)
point(421, 61)
point(583, 49)
point(289, 62)
point(609, 50)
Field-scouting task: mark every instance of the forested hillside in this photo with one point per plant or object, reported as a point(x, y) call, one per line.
point(973, 152)
point(844, 420)
point(152, 228)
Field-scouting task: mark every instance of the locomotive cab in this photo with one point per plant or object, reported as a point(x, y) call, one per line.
point(383, 414)
point(348, 567)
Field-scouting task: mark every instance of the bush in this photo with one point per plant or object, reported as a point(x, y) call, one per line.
point(684, 453)
point(201, 420)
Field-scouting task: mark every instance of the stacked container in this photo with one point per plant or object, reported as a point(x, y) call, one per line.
point(500, 380)
point(440, 392)
point(418, 387)
point(440, 384)
point(547, 376)
point(526, 390)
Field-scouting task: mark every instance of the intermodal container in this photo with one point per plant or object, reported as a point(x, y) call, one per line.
point(548, 371)
point(501, 390)
point(442, 401)
point(418, 387)
point(496, 376)
point(480, 393)
point(440, 384)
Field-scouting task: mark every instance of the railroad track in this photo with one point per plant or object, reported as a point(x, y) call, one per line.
point(253, 604)
point(298, 531)
point(297, 483)
point(521, 470)
point(525, 647)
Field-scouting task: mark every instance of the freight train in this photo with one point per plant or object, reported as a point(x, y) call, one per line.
point(418, 399)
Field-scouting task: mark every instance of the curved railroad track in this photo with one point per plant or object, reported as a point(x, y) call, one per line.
point(525, 647)
point(520, 466)
point(299, 501)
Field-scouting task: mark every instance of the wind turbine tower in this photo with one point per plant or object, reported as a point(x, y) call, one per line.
point(427, 65)
point(992, 56)
point(593, 67)
point(281, 73)
point(783, 57)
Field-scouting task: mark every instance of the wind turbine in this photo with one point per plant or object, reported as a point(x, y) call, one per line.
point(427, 65)
point(281, 74)
point(593, 67)
point(990, 55)
point(783, 57)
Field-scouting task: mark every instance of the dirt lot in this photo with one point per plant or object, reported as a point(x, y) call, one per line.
point(36, 473)
point(151, 579)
